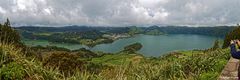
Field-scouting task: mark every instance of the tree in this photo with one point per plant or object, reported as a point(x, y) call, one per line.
point(7, 23)
point(8, 35)
point(234, 34)
point(216, 45)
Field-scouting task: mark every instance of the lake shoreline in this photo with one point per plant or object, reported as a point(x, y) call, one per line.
point(164, 44)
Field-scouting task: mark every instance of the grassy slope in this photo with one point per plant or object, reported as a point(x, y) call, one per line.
point(117, 59)
point(182, 65)
point(15, 66)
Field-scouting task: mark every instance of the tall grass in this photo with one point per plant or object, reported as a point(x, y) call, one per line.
point(202, 65)
point(14, 65)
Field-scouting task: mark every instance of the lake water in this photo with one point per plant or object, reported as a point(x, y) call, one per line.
point(152, 45)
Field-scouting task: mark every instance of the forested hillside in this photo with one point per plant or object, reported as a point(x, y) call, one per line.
point(218, 31)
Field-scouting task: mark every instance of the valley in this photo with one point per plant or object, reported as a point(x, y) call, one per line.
point(47, 55)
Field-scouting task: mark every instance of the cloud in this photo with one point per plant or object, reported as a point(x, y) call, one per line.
point(120, 12)
point(2, 11)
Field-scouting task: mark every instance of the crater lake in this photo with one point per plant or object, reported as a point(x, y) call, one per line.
point(152, 45)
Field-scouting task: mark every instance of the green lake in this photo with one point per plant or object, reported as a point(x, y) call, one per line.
point(152, 45)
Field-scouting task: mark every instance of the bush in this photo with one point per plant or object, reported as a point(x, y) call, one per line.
point(49, 48)
point(84, 53)
point(65, 62)
point(12, 71)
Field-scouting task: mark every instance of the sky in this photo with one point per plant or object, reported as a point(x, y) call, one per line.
point(120, 12)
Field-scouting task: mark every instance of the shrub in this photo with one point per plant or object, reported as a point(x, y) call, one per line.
point(13, 71)
point(64, 61)
point(49, 48)
point(84, 53)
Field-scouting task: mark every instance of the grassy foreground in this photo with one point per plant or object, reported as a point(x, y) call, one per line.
point(201, 65)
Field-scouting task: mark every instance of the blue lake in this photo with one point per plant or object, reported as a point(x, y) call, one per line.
point(152, 45)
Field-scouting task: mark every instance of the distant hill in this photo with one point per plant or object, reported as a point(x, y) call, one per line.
point(218, 31)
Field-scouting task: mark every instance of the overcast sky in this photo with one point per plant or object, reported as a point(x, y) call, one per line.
point(120, 12)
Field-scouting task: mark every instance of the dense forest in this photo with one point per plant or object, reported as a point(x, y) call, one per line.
point(18, 61)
